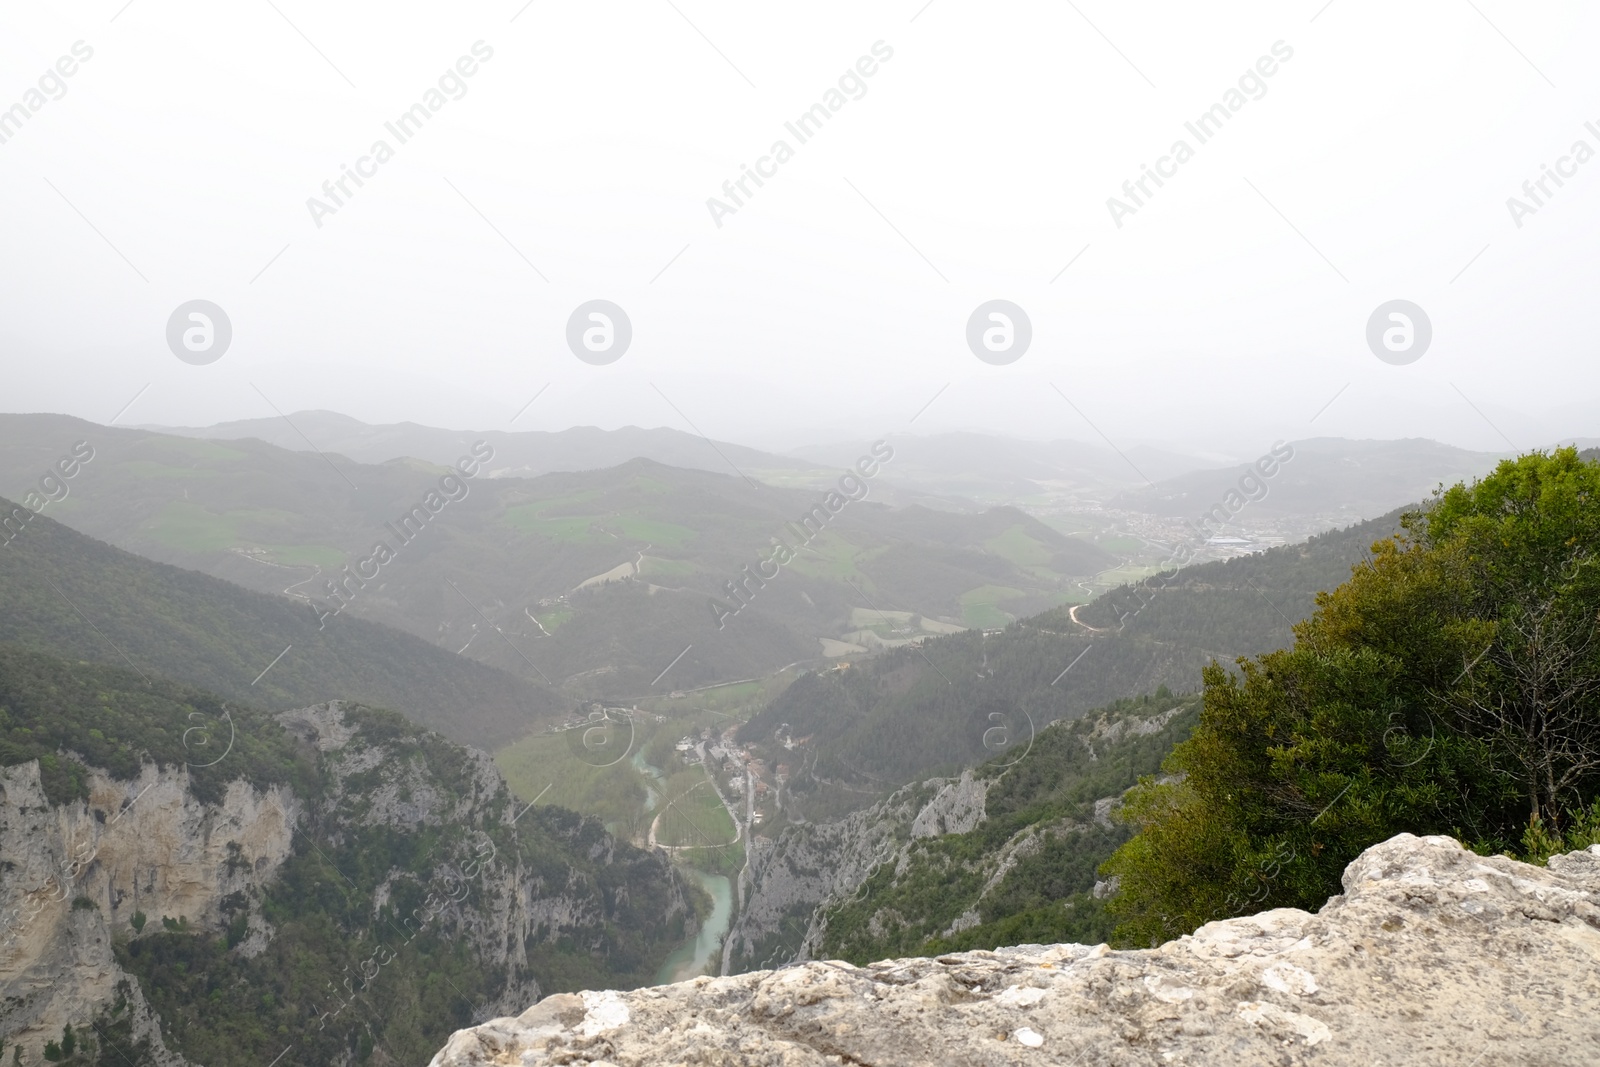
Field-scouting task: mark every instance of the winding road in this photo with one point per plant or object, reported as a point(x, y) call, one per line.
point(1072, 613)
point(738, 824)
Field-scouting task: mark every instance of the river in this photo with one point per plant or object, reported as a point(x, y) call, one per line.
point(655, 774)
point(691, 958)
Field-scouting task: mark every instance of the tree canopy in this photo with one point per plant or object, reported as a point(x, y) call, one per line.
point(1451, 685)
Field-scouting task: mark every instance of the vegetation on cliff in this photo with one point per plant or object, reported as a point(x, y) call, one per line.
point(1027, 871)
point(418, 895)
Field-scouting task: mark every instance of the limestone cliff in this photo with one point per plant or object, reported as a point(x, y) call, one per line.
point(173, 924)
point(77, 873)
point(1432, 956)
point(856, 886)
point(788, 879)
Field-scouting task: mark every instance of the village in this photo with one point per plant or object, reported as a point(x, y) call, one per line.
point(749, 787)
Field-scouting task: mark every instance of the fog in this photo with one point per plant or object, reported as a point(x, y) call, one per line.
point(958, 154)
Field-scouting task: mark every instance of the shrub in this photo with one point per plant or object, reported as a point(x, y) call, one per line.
point(1451, 686)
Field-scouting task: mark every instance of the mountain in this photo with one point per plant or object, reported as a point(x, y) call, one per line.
point(69, 595)
point(1331, 480)
point(1004, 853)
point(957, 699)
point(595, 580)
point(325, 883)
point(992, 469)
point(520, 453)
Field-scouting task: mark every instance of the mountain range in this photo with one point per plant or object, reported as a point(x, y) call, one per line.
point(1351, 480)
point(199, 633)
point(593, 580)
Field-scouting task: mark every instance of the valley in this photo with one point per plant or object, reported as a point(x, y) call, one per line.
point(915, 740)
point(507, 611)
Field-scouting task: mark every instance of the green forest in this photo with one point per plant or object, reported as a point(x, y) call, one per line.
point(69, 595)
point(1450, 686)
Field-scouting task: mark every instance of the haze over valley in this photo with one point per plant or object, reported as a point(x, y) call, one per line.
point(713, 534)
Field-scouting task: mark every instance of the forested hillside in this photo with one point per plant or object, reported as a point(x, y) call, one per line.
point(594, 580)
point(1026, 873)
point(959, 699)
point(72, 596)
point(363, 883)
point(1231, 607)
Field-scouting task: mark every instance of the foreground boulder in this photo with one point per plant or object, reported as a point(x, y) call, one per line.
point(1432, 955)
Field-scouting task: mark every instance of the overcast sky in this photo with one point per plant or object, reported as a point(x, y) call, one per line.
point(974, 164)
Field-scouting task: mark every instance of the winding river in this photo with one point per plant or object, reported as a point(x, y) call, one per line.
point(690, 959)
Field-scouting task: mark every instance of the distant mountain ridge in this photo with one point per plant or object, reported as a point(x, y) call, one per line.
point(523, 453)
point(595, 579)
point(987, 467)
point(1347, 481)
point(1338, 480)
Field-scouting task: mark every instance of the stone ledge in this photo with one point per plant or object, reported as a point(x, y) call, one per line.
point(1432, 955)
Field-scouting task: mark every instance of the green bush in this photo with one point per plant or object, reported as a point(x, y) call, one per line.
point(1451, 686)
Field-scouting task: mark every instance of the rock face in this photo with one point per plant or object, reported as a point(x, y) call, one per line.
point(787, 882)
point(801, 891)
point(74, 875)
point(1432, 955)
point(77, 873)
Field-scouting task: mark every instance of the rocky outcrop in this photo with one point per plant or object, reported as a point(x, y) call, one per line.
point(375, 783)
point(955, 809)
point(76, 874)
point(795, 885)
point(787, 881)
point(1432, 955)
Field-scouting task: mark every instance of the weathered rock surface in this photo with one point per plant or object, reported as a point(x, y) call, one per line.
point(788, 882)
point(1432, 955)
point(75, 874)
point(786, 879)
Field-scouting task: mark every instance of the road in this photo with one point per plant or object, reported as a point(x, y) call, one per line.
point(738, 825)
point(1072, 613)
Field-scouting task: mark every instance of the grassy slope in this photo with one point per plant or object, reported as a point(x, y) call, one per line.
point(72, 596)
point(267, 518)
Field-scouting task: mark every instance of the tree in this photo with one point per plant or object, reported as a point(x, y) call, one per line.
point(1533, 694)
point(1451, 685)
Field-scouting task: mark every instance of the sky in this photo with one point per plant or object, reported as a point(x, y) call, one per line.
point(972, 153)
